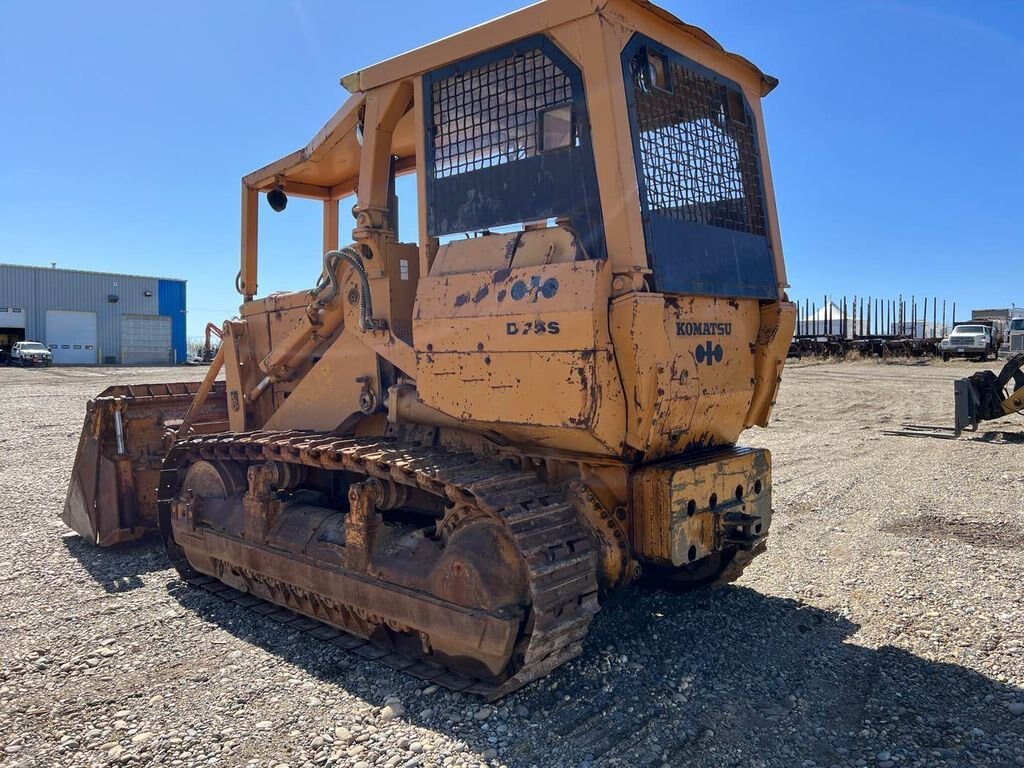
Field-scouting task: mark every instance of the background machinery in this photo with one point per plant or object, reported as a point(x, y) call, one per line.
point(978, 338)
point(208, 348)
point(987, 395)
point(452, 448)
point(1015, 334)
point(982, 396)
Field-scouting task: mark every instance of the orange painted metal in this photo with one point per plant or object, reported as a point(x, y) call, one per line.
point(449, 449)
point(127, 431)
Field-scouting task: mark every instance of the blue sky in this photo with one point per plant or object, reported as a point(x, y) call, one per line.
point(125, 127)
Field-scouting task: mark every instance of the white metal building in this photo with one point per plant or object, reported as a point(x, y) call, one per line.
point(89, 318)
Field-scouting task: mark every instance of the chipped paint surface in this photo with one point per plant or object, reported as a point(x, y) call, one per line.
point(672, 373)
point(687, 365)
point(528, 351)
point(691, 505)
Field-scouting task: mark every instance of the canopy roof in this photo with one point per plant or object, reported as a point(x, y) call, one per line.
point(328, 167)
point(496, 32)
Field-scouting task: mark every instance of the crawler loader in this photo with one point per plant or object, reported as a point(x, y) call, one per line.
point(446, 452)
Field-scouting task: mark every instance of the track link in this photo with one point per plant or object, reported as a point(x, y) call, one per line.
point(559, 554)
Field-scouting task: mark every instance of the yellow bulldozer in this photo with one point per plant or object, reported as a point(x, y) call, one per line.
point(445, 453)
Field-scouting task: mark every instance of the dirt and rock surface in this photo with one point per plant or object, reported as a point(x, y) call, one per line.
point(884, 627)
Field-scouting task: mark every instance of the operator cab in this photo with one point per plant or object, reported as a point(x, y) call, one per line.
point(595, 212)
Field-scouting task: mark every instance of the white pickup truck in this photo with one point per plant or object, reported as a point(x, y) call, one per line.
point(25, 353)
point(970, 340)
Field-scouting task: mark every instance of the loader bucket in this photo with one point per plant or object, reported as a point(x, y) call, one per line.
point(127, 432)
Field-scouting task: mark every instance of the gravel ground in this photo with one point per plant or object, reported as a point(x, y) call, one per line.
point(883, 627)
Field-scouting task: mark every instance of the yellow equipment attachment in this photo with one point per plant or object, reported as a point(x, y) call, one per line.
point(987, 396)
point(452, 448)
point(981, 397)
point(127, 432)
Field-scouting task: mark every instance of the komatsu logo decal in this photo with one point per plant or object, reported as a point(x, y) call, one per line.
point(709, 353)
point(535, 289)
point(703, 329)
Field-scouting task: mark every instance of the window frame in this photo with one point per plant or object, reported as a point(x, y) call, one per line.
point(575, 194)
point(676, 248)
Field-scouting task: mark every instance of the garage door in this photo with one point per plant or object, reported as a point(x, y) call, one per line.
point(145, 340)
point(71, 337)
point(12, 328)
point(12, 317)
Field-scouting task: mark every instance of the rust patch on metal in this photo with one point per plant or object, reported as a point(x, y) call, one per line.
point(691, 508)
point(582, 371)
point(111, 497)
point(510, 541)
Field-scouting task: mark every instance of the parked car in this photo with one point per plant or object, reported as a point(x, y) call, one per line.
point(970, 340)
point(25, 353)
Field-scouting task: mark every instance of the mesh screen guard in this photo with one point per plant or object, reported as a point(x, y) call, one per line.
point(699, 162)
point(489, 115)
point(486, 166)
point(699, 175)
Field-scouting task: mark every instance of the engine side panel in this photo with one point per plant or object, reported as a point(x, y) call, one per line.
point(525, 352)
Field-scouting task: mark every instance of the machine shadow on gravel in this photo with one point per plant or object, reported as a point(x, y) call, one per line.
point(942, 433)
point(118, 569)
point(696, 676)
point(1001, 437)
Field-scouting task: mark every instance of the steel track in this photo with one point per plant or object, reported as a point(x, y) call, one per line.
point(560, 556)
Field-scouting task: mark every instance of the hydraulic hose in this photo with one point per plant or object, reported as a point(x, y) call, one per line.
point(325, 306)
point(352, 257)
